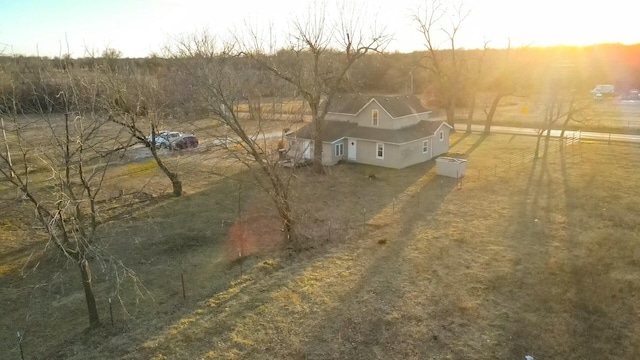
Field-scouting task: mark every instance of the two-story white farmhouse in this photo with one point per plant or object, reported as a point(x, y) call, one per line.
point(389, 131)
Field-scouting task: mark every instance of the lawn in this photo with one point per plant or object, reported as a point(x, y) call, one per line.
point(521, 257)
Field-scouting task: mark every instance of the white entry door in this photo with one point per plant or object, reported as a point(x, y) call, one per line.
point(306, 149)
point(351, 148)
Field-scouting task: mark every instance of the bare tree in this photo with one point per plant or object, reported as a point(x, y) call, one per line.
point(139, 104)
point(475, 76)
point(579, 112)
point(59, 166)
point(445, 65)
point(316, 59)
point(510, 79)
point(110, 57)
point(111, 53)
point(223, 81)
point(560, 105)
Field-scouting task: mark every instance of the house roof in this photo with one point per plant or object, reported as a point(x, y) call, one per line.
point(335, 130)
point(395, 105)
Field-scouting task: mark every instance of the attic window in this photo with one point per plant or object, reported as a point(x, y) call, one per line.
point(374, 117)
point(441, 135)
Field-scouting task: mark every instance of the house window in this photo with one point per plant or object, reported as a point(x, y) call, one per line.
point(374, 117)
point(441, 135)
point(425, 147)
point(380, 151)
point(339, 149)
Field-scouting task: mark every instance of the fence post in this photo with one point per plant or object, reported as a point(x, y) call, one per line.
point(329, 230)
point(20, 345)
point(364, 211)
point(393, 206)
point(111, 311)
point(184, 292)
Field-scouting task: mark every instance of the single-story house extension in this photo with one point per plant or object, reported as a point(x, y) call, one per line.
point(388, 131)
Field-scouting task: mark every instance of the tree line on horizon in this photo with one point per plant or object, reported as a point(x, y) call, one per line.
point(390, 73)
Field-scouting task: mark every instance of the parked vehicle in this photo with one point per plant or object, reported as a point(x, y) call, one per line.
point(164, 138)
point(603, 91)
point(184, 142)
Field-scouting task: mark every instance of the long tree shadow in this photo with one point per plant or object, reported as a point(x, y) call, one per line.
point(460, 139)
point(478, 142)
point(556, 300)
point(530, 246)
point(245, 306)
point(188, 236)
point(159, 239)
point(365, 322)
point(600, 301)
point(383, 180)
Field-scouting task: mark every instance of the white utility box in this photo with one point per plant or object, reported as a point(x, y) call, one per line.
point(451, 167)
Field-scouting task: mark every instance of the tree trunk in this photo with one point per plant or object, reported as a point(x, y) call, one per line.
point(280, 197)
point(472, 108)
point(317, 145)
point(173, 177)
point(177, 185)
point(94, 320)
point(451, 114)
point(546, 143)
point(492, 113)
point(287, 222)
point(538, 145)
point(565, 123)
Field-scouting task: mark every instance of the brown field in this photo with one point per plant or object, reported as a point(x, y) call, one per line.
point(521, 257)
point(609, 116)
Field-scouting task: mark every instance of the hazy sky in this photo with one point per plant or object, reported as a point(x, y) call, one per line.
point(139, 27)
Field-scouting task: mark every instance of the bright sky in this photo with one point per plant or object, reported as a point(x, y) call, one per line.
point(139, 27)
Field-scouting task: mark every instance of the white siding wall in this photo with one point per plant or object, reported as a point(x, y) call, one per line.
point(441, 146)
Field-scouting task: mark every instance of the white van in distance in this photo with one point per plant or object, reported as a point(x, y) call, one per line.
point(603, 91)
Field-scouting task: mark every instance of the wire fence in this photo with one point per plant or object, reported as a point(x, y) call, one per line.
point(521, 161)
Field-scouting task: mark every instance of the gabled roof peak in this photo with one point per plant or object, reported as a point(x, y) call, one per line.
point(396, 105)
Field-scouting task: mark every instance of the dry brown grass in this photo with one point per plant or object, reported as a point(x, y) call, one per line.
point(514, 260)
point(609, 115)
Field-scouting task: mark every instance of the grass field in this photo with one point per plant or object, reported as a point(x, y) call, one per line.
point(521, 257)
point(608, 116)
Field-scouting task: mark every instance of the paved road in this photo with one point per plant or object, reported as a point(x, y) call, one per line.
point(139, 151)
point(585, 135)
